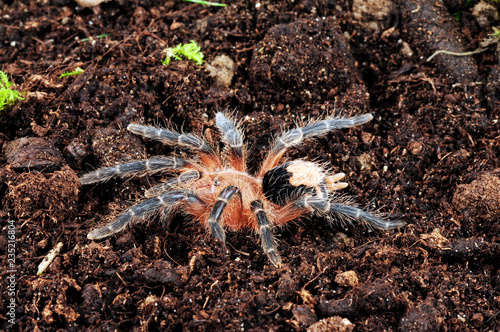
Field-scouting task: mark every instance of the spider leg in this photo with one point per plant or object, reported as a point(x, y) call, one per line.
point(233, 138)
point(348, 212)
point(290, 212)
point(140, 211)
point(266, 236)
point(173, 138)
point(215, 215)
point(152, 165)
point(296, 136)
point(172, 183)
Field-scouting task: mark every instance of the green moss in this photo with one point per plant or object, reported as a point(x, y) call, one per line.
point(76, 71)
point(190, 51)
point(8, 96)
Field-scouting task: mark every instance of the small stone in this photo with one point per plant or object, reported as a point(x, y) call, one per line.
point(477, 319)
point(176, 25)
point(434, 240)
point(365, 162)
point(485, 14)
point(332, 324)
point(304, 315)
point(372, 14)
point(367, 138)
point(347, 278)
point(221, 68)
point(415, 148)
point(406, 50)
point(90, 3)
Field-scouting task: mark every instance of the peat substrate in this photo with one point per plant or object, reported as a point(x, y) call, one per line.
point(430, 157)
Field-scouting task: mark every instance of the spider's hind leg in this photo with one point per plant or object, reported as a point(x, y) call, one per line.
point(140, 211)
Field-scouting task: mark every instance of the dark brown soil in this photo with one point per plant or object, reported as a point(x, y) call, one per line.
point(430, 157)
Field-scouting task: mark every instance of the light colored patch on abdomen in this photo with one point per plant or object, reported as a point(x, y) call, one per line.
point(305, 173)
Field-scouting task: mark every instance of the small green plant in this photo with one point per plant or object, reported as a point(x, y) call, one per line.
point(496, 32)
point(7, 96)
point(207, 3)
point(103, 35)
point(457, 15)
point(190, 51)
point(76, 71)
point(492, 40)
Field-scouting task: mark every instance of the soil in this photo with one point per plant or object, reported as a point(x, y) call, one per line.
point(430, 157)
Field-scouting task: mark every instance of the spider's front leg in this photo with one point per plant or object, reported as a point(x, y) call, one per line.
point(173, 138)
point(215, 215)
point(233, 138)
point(167, 202)
point(296, 136)
point(344, 212)
point(146, 166)
point(349, 212)
point(266, 236)
point(182, 179)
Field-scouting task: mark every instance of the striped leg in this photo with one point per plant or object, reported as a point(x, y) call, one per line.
point(233, 138)
point(172, 183)
point(266, 237)
point(152, 165)
point(343, 212)
point(140, 211)
point(352, 213)
point(305, 205)
point(217, 211)
point(173, 138)
point(296, 136)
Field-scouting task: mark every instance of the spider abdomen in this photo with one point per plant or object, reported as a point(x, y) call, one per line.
point(292, 180)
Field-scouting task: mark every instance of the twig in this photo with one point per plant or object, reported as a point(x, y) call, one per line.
point(479, 50)
point(49, 258)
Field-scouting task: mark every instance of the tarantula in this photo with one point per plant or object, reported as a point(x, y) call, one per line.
point(219, 192)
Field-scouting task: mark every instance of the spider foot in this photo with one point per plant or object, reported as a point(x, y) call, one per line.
point(275, 258)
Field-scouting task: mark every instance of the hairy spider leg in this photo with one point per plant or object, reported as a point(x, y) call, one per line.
point(292, 211)
point(300, 207)
point(341, 212)
point(266, 236)
point(348, 212)
point(140, 211)
point(296, 136)
point(233, 138)
point(173, 138)
point(149, 166)
point(183, 178)
point(215, 215)
point(344, 212)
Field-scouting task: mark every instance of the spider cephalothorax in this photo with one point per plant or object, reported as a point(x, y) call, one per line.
point(220, 194)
